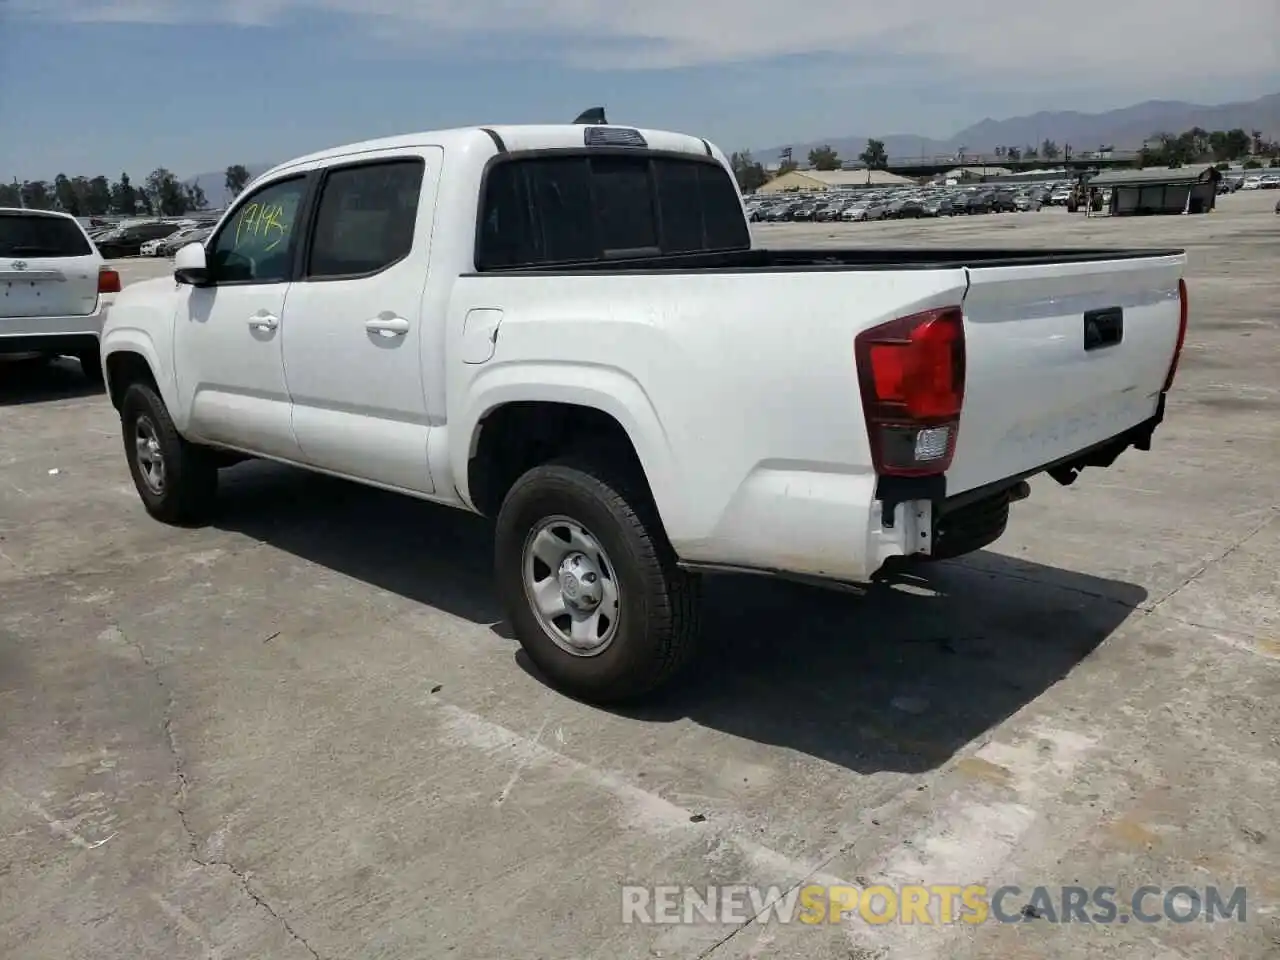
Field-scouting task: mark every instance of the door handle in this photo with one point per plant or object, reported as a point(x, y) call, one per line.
point(264, 321)
point(389, 327)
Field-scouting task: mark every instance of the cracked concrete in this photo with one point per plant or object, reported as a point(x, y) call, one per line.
point(303, 732)
point(179, 799)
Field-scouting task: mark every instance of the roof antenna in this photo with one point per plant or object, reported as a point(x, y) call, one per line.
point(595, 115)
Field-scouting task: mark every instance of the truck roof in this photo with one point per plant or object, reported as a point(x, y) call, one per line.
point(514, 137)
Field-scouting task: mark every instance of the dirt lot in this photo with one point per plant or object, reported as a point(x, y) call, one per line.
point(304, 732)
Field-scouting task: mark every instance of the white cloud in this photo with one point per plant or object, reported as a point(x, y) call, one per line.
point(1089, 42)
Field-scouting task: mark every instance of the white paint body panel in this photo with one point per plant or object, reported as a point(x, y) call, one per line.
point(738, 390)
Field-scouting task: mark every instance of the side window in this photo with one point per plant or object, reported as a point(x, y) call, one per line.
point(624, 203)
point(366, 218)
point(256, 243)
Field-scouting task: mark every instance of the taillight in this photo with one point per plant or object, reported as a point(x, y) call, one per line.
point(1182, 334)
point(911, 371)
point(108, 281)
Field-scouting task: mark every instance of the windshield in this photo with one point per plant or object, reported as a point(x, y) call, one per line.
point(37, 235)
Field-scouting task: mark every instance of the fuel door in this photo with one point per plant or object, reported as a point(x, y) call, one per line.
point(480, 334)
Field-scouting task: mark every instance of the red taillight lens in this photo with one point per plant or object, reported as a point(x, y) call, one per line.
point(911, 371)
point(108, 281)
point(1182, 334)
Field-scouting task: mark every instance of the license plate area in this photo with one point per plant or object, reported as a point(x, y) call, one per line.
point(1103, 328)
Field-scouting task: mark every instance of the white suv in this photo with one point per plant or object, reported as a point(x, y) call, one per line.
point(54, 288)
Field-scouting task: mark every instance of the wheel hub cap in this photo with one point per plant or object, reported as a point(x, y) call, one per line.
point(571, 586)
point(580, 582)
point(150, 456)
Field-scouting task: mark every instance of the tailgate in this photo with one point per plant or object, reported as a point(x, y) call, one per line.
point(52, 287)
point(1059, 357)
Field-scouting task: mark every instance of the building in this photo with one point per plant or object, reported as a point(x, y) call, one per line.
point(818, 180)
point(1152, 190)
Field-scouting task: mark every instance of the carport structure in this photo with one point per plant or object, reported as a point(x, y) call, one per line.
point(1154, 190)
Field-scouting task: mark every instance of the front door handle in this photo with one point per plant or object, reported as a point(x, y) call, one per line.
point(388, 327)
point(264, 321)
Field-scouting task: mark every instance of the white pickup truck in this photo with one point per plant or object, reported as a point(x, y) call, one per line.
point(567, 328)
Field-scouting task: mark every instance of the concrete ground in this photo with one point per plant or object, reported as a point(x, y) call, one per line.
point(304, 733)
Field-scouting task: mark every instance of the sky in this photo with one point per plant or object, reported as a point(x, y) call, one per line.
point(104, 86)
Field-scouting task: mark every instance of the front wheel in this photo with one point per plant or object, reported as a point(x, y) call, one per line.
point(590, 584)
point(177, 480)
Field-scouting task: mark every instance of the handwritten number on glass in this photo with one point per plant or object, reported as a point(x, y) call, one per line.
point(264, 223)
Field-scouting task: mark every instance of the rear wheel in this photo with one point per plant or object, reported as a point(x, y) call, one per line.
point(177, 480)
point(590, 584)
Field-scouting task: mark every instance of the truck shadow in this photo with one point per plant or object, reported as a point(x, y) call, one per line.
point(38, 381)
point(899, 677)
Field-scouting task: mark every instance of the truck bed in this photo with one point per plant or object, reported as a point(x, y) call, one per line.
point(766, 260)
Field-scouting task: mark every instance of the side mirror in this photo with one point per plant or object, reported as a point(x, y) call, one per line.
point(190, 266)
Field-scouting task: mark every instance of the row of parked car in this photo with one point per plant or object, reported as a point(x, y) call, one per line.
point(905, 202)
point(148, 238)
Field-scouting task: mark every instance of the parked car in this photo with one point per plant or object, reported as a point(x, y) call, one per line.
point(171, 245)
point(128, 241)
point(567, 328)
point(54, 289)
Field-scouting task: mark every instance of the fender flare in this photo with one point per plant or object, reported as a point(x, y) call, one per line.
point(138, 341)
point(608, 389)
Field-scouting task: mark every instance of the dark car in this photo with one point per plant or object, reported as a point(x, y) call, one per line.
point(979, 203)
point(128, 241)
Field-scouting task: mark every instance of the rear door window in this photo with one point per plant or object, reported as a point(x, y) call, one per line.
point(37, 235)
point(366, 218)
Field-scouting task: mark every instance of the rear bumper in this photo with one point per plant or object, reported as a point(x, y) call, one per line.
point(846, 527)
point(59, 335)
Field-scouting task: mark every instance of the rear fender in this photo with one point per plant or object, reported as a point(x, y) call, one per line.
point(607, 389)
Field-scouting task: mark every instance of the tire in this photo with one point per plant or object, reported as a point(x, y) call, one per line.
point(655, 631)
point(189, 480)
point(91, 366)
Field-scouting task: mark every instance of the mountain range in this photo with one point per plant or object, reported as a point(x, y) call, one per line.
point(1123, 129)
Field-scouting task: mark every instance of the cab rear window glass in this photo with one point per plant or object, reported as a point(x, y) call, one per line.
point(31, 235)
point(578, 208)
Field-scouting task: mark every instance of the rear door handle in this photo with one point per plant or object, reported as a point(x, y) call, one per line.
point(388, 327)
point(264, 321)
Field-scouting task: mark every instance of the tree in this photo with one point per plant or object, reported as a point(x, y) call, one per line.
point(1030, 152)
point(824, 158)
point(10, 194)
point(237, 178)
point(785, 167)
point(875, 156)
point(196, 200)
point(124, 196)
point(167, 195)
point(1049, 150)
point(36, 195)
point(97, 197)
point(750, 175)
point(64, 195)
point(1012, 153)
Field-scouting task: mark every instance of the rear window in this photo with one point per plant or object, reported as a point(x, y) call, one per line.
point(581, 208)
point(32, 235)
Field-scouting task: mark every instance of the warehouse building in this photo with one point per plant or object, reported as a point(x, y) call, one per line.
point(816, 180)
point(1155, 190)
